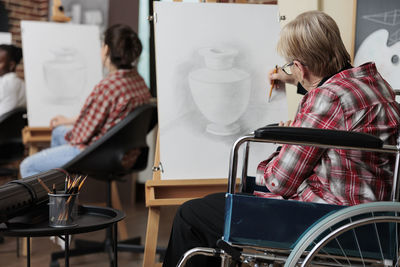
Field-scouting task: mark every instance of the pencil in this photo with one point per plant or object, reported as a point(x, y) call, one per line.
point(272, 84)
point(44, 185)
point(81, 184)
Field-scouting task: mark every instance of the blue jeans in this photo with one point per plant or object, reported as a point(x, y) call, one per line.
point(56, 156)
point(58, 134)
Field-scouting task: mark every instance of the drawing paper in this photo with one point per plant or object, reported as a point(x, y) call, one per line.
point(62, 64)
point(212, 83)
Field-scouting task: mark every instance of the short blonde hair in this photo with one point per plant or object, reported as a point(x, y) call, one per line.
point(313, 38)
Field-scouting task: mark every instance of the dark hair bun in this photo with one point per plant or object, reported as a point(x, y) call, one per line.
point(124, 46)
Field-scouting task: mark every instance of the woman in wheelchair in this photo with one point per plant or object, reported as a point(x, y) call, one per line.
point(112, 99)
point(338, 97)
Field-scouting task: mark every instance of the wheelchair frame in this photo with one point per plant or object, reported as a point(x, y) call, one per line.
point(229, 253)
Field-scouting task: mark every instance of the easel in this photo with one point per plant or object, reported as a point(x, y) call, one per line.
point(35, 138)
point(161, 193)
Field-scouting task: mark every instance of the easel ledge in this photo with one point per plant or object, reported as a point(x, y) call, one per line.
point(36, 138)
point(176, 192)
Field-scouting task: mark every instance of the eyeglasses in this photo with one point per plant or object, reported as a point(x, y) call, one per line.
point(287, 68)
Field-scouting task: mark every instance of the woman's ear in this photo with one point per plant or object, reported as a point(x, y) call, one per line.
point(105, 51)
point(303, 71)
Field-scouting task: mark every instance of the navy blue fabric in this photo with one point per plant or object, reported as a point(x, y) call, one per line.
point(276, 223)
point(255, 221)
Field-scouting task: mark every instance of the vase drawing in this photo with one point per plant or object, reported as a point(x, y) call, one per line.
point(220, 90)
point(65, 74)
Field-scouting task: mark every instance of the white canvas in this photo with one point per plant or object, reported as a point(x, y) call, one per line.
point(5, 38)
point(62, 65)
point(212, 65)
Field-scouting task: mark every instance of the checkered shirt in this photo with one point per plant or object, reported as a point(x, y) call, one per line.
point(357, 99)
point(111, 101)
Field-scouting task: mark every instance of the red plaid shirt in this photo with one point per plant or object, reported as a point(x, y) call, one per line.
point(359, 100)
point(110, 101)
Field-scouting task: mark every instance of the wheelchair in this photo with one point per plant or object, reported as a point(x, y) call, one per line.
point(294, 233)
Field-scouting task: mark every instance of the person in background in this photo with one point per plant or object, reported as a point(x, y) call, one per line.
point(338, 97)
point(111, 100)
point(12, 88)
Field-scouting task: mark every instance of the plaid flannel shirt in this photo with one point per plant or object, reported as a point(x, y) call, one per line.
point(110, 101)
point(357, 99)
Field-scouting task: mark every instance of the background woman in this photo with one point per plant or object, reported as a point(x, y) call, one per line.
point(12, 88)
point(111, 100)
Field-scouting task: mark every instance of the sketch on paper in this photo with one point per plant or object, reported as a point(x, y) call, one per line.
point(378, 36)
point(62, 65)
point(212, 84)
point(220, 91)
point(90, 12)
point(65, 74)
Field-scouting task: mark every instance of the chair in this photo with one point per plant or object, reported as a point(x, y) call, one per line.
point(11, 146)
point(105, 160)
point(306, 233)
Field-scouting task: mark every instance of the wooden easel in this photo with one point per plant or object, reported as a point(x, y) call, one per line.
point(170, 193)
point(36, 138)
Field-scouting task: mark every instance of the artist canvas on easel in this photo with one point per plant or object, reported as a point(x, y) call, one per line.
point(212, 65)
point(62, 64)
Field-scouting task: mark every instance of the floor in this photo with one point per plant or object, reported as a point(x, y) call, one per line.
point(42, 247)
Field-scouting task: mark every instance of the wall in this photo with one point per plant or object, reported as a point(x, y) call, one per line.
point(24, 10)
point(126, 12)
point(342, 11)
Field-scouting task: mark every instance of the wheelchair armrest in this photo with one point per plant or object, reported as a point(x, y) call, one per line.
point(318, 136)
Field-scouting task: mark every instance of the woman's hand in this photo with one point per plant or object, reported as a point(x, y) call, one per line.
point(61, 120)
point(280, 78)
point(287, 124)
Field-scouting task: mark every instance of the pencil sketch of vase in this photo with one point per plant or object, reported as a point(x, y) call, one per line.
point(220, 90)
point(65, 74)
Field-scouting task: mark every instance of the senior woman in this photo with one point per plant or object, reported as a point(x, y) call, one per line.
point(338, 97)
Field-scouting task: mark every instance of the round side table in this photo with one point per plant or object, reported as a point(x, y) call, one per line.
point(89, 219)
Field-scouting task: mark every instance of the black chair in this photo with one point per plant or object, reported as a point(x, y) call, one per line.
point(105, 160)
point(11, 146)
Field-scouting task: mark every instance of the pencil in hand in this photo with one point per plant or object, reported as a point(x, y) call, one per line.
point(272, 84)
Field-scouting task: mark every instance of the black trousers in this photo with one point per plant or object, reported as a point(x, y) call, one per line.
point(197, 223)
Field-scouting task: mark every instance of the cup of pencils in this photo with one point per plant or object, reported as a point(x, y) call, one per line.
point(63, 205)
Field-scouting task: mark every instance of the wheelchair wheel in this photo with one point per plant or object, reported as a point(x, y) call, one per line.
point(362, 235)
